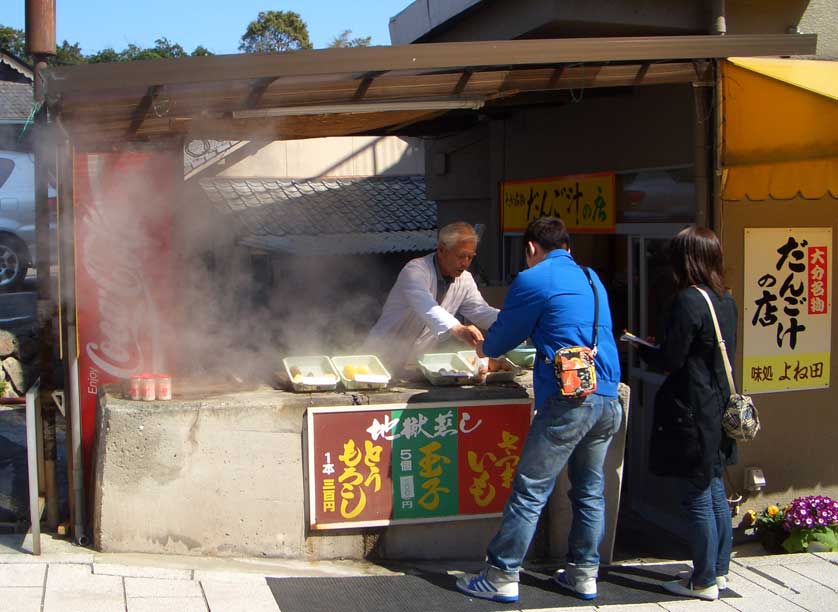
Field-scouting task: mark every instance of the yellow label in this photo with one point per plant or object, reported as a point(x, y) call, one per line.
point(585, 202)
point(785, 372)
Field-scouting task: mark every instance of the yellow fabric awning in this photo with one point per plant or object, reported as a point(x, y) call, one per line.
point(780, 129)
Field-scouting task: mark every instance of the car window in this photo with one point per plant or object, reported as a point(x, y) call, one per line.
point(6, 167)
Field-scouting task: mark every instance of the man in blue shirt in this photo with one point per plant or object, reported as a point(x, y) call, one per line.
point(552, 303)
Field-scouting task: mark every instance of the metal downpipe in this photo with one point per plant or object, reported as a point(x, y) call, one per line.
point(78, 467)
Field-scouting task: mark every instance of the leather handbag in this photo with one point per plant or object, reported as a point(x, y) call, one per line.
point(740, 419)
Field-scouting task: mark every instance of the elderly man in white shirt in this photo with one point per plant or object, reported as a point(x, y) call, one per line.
point(421, 307)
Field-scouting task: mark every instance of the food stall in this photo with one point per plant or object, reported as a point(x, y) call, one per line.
point(233, 464)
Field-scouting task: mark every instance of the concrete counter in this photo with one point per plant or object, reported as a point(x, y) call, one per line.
point(225, 475)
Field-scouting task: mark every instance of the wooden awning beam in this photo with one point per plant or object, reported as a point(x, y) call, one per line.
point(142, 110)
point(432, 56)
point(259, 89)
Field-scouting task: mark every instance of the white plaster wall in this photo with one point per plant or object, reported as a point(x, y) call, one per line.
point(821, 17)
point(340, 156)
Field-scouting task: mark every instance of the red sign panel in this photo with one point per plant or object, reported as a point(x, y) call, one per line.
point(123, 207)
point(412, 463)
point(818, 259)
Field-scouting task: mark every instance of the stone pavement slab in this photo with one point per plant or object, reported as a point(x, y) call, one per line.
point(167, 604)
point(21, 599)
point(247, 597)
point(781, 589)
point(759, 594)
point(155, 587)
point(23, 575)
point(574, 609)
point(626, 608)
point(693, 605)
point(829, 556)
point(808, 594)
point(74, 588)
point(134, 571)
point(823, 573)
point(234, 577)
point(769, 560)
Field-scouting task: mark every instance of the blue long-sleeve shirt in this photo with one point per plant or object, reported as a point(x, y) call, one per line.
point(552, 303)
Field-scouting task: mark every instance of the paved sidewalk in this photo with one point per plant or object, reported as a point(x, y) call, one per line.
point(66, 578)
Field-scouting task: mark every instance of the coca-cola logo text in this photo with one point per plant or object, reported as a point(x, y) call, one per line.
point(115, 256)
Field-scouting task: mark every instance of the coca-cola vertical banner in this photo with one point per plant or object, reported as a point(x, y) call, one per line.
point(124, 205)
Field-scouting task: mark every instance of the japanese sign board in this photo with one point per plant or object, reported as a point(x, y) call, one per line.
point(585, 202)
point(408, 463)
point(788, 309)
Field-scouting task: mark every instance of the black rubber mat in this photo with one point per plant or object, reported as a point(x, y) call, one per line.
point(431, 592)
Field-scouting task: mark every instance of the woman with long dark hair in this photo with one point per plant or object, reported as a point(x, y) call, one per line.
point(688, 442)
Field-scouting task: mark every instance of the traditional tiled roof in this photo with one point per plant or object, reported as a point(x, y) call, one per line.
point(15, 100)
point(328, 216)
point(15, 89)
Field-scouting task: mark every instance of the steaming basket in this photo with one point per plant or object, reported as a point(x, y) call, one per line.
point(377, 378)
point(491, 377)
point(321, 369)
point(432, 363)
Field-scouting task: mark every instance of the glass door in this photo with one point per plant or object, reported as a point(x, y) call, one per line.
point(649, 289)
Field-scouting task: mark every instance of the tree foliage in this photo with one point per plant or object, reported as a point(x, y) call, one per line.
point(275, 31)
point(14, 41)
point(343, 40)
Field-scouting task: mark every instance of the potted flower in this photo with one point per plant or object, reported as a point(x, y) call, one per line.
point(811, 524)
point(769, 527)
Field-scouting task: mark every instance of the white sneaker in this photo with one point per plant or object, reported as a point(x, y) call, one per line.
point(582, 587)
point(721, 582)
point(685, 588)
point(489, 584)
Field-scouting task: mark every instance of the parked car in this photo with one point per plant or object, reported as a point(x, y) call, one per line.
point(17, 217)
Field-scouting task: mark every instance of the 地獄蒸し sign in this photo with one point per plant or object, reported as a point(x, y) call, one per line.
point(398, 463)
point(585, 202)
point(788, 309)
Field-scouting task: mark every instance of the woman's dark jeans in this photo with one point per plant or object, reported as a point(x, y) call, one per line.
point(710, 533)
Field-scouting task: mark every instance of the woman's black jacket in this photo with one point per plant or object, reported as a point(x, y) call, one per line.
point(687, 437)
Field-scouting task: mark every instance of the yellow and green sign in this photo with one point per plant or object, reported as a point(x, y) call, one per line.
point(585, 202)
point(788, 309)
point(399, 463)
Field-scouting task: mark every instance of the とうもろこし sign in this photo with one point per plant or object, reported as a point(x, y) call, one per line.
point(400, 463)
point(585, 202)
point(788, 309)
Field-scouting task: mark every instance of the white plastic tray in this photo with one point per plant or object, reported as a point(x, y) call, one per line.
point(432, 363)
point(323, 376)
point(377, 378)
point(491, 377)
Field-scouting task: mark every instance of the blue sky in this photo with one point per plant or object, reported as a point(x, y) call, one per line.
point(216, 24)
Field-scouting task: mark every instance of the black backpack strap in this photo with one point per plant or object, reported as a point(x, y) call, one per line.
point(596, 303)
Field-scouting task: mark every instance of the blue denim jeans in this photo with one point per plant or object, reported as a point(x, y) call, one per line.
point(575, 432)
point(710, 532)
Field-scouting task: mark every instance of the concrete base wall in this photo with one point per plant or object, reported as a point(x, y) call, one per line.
point(226, 477)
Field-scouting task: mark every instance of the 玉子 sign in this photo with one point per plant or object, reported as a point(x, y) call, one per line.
point(392, 463)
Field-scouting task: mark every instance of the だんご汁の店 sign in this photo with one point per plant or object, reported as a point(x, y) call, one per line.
point(788, 309)
point(397, 463)
point(585, 202)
